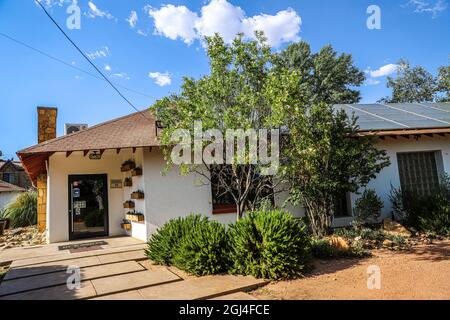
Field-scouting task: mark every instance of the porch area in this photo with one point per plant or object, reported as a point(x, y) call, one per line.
point(108, 269)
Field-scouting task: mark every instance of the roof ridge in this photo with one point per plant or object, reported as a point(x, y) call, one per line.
point(85, 130)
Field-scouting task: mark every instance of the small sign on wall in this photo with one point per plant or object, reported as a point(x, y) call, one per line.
point(116, 183)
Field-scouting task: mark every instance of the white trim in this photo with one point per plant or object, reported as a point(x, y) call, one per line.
point(377, 116)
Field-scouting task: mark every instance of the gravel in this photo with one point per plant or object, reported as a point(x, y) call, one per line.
point(421, 273)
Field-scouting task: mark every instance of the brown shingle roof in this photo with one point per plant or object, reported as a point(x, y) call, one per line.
point(8, 187)
point(134, 130)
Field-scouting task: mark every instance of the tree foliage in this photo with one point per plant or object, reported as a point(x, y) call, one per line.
point(416, 84)
point(332, 78)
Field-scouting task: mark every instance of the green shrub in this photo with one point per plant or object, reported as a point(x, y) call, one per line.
point(368, 208)
point(424, 212)
point(204, 250)
point(364, 233)
point(163, 244)
point(22, 212)
point(322, 249)
point(269, 244)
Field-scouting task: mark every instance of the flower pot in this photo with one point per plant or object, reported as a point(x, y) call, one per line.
point(137, 195)
point(128, 182)
point(136, 172)
point(135, 217)
point(129, 205)
point(127, 166)
point(126, 226)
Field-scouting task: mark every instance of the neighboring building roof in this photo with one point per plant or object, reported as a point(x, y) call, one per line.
point(8, 187)
point(399, 116)
point(16, 164)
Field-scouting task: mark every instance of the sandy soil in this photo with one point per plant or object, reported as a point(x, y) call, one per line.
point(422, 273)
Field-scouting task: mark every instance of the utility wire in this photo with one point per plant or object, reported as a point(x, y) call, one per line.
point(71, 65)
point(90, 62)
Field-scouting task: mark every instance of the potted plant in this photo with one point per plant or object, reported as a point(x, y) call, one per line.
point(134, 216)
point(126, 225)
point(128, 204)
point(136, 172)
point(137, 195)
point(128, 182)
point(128, 165)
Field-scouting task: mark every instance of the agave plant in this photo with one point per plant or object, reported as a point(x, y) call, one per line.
point(22, 212)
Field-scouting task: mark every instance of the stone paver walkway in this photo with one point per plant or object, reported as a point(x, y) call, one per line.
point(113, 272)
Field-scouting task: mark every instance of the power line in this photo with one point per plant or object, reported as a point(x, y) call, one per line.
point(88, 60)
point(70, 65)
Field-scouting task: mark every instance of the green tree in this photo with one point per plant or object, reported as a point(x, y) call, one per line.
point(232, 96)
point(324, 158)
point(444, 83)
point(411, 85)
point(332, 78)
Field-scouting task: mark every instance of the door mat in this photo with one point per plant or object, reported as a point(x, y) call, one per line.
point(82, 245)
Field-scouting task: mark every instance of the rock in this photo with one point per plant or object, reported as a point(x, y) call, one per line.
point(387, 243)
point(339, 242)
point(395, 228)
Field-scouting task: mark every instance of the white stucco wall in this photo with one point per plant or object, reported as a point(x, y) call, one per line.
point(60, 167)
point(172, 195)
point(389, 176)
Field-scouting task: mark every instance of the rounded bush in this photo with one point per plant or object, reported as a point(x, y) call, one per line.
point(204, 251)
point(163, 244)
point(269, 244)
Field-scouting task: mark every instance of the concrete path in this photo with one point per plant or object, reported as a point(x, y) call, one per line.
point(113, 272)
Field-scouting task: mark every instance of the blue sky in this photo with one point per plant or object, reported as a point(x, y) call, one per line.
point(150, 55)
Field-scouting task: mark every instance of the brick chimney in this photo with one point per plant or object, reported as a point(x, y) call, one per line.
point(46, 131)
point(46, 123)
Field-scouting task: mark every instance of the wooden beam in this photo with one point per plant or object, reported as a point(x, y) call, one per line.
point(150, 149)
point(101, 152)
point(134, 149)
point(68, 153)
point(85, 152)
point(118, 150)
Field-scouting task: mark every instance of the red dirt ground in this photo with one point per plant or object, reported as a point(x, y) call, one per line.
point(421, 273)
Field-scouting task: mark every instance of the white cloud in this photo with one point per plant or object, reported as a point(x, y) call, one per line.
point(101, 53)
point(94, 12)
point(178, 22)
point(383, 71)
point(132, 19)
point(161, 79)
point(425, 7)
point(52, 3)
point(142, 33)
point(175, 22)
point(108, 67)
point(372, 82)
point(121, 75)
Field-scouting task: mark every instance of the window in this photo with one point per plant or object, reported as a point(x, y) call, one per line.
point(223, 201)
point(9, 177)
point(419, 171)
